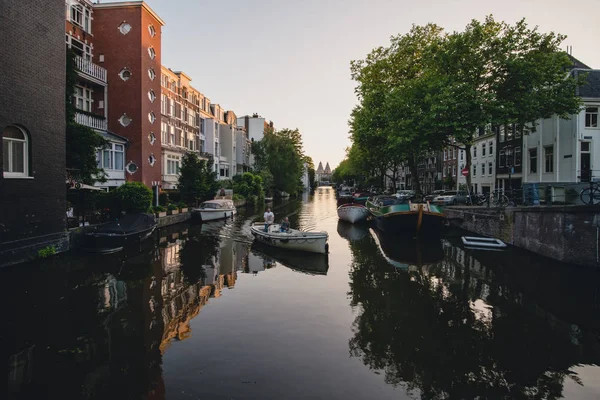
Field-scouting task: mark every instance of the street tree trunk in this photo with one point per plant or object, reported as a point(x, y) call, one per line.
point(414, 172)
point(468, 165)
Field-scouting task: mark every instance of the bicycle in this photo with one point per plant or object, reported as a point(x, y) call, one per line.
point(497, 198)
point(591, 195)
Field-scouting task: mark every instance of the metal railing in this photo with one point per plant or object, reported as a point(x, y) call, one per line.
point(91, 69)
point(91, 121)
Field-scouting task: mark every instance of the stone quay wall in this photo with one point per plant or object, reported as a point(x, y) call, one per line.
point(568, 234)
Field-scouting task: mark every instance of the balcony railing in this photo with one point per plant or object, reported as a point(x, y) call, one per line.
point(91, 121)
point(91, 69)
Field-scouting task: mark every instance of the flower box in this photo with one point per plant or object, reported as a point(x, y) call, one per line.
point(184, 210)
point(161, 214)
point(173, 212)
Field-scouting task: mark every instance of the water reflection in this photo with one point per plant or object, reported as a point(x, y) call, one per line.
point(307, 263)
point(450, 328)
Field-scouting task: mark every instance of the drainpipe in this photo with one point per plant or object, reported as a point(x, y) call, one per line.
point(557, 149)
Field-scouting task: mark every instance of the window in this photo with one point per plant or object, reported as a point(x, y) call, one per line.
point(124, 28)
point(517, 156)
point(112, 157)
point(15, 152)
point(172, 107)
point(151, 96)
point(125, 120)
point(172, 135)
point(482, 169)
point(152, 138)
point(474, 170)
point(164, 104)
point(510, 131)
point(455, 153)
point(483, 150)
point(164, 132)
point(490, 169)
point(549, 158)
point(125, 74)
point(151, 159)
point(502, 161)
point(532, 161)
point(151, 74)
point(591, 117)
point(501, 134)
point(445, 155)
point(202, 146)
point(151, 30)
point(491, 147)
point(77, 14)
point(151, 117)
point(474, 151)
point(462, 155)
point(79, 48)
point(151, 53)
point(173, 163)
point(83, 98)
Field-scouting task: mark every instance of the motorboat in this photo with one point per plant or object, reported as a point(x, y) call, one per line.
point(353, 213)
point(483, 243)
point(114, 236)
point(292, 239)
point(215, 209)
point(400, 216)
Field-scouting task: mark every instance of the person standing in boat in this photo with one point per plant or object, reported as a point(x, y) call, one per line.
point(285, 225)
point(269, 218)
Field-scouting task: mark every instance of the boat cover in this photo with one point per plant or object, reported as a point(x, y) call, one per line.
point(128, 224)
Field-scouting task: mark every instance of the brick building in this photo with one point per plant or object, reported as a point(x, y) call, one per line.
point(32, 122)
point(127, 42)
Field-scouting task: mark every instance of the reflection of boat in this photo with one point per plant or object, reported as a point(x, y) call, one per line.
point(352, 212)
point(316, 264)
point(402, 252)
point(401, 216)
point(114, 236)
point(352, 232)
point(483, 243)
point(314, 242)
point(215, 209)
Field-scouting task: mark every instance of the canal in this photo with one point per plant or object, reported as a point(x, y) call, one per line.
point(199, 313)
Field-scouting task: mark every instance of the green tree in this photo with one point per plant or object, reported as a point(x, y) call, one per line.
point(197, 181)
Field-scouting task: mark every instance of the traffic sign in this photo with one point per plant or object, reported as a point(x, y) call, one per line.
point(465, 171)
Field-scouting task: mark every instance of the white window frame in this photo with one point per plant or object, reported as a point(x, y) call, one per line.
point(551, 159)
point(592, 114)
point(491, 148)
point(173, 165)
point(112, 149)
point(7, 143)
point(85, 97)
point(164, 132)
point(533, 161)
point(75, 12)
point(490, 168)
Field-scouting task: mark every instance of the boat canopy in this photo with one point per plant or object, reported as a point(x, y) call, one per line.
point(130, 223)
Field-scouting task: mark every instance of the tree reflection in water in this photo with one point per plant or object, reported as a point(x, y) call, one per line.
point(444, 330)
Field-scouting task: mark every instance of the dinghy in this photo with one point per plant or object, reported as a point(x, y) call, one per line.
point(483, 243)
point(314, 242)
point(352, 212)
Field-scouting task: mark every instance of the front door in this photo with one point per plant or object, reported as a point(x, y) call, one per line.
point(586, 162)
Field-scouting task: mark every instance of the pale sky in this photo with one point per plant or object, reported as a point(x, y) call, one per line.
point(289, 60)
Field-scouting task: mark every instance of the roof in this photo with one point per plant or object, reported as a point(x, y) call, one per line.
point(577, 63)
point(327, 169)
point(320, 168)
point(124, 4)
point(113, 137)
point(592, 86)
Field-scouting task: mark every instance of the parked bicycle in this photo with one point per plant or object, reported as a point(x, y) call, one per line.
point(497, 198)
point(591, 195)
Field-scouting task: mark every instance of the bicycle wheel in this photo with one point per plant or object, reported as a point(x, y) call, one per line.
point(590, 197)
point(504, 200)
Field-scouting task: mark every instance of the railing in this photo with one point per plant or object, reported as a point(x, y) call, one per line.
point(91, 121)
point(91, 69)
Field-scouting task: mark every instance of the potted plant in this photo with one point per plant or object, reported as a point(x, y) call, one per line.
point(173, 209)
point(160, 211)
point(182, 207)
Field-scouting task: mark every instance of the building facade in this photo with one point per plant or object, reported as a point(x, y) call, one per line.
point(483, 162)
point(32, 123)
point(127, 42)
point(509, 157)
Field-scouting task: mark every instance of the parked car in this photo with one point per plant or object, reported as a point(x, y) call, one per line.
point(434, 194)
point(405, 194)
point(451, 197)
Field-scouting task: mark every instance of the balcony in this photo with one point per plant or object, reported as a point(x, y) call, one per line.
point(91, 70)
point(91, 121)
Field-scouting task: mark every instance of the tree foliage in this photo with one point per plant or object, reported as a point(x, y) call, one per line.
point(133, 197)
point(429, 89)
point(197, 181)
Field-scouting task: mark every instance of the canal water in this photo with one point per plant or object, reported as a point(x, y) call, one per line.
point(199, 313)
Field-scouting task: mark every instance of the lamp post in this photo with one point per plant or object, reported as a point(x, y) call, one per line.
point(509, 163)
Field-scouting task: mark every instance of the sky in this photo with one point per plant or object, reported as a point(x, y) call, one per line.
point(289, 60)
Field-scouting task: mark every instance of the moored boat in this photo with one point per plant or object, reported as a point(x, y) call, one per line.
point(116, 235)
point(344, 197)
point(293, 239)
point(361, 197)
point(483, 243)
point(400, 216)
point(215, 209)
point(353, 213)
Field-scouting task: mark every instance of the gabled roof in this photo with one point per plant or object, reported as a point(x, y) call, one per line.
point(320, 168)
point(327, 169)
point(577, 63)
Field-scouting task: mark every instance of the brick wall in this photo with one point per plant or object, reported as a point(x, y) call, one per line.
point(33, 96)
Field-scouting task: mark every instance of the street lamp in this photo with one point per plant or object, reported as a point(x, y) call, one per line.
point(509, 163)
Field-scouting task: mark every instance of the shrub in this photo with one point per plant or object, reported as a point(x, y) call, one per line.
point(181, 205)
point(159, 209)
point(238, 197)
point(133, 197)
point(46, 252)
point(172, 207)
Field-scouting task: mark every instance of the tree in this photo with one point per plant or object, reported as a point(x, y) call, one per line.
point(133, 197)
point(197, 181)
point(82, 142)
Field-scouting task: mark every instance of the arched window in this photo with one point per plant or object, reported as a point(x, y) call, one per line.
point(15, 152)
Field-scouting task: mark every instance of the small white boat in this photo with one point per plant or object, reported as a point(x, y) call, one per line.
point(352, 212)
point(314, 242)
point(473, 242)
point(215, 209)
point(268, 199)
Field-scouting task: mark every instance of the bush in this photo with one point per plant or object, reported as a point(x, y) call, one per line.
point(172, 207)
point(46, 252)
point(158, 209)
point(175, 197)
point(133, 197)
point(181, 205)
point(238, 197)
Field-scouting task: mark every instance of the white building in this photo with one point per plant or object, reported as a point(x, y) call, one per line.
point(242, 150)
point(305, 179)
point(566, 152)
point(256, 127)
point(483, 162)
